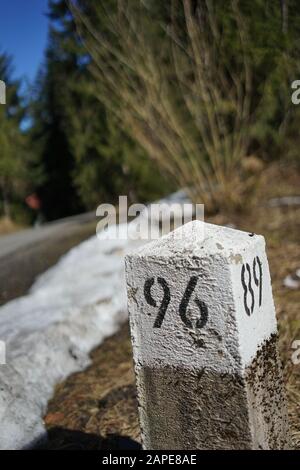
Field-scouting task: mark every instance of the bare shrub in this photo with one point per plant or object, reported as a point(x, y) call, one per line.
point(182, 80)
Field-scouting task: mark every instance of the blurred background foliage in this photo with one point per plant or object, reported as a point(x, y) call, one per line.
point(141, 97)
point(17, 169)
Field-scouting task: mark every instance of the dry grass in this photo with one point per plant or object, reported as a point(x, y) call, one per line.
point(177, 97)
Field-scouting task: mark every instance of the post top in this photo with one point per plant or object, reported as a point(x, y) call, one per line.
point(200, 239)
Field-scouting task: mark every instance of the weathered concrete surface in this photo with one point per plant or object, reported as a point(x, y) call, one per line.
point(190, 409)
point(265, 390)
point(203, 327)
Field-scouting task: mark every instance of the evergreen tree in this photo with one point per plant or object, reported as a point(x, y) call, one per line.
point(14, 156)
point(86, 158)
point(48, 134)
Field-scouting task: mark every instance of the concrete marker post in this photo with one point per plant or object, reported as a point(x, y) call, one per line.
point(204, 338)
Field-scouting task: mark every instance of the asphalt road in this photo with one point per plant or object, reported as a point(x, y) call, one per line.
point(28, 253)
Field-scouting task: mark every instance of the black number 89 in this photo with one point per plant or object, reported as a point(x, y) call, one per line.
point(246, 278)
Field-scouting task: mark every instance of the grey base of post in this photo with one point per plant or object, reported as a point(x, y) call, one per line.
point(201, 409)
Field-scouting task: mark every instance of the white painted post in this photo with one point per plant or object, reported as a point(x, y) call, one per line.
point(204, 339)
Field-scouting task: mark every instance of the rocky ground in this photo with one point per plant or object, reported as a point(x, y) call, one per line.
point(96, 408)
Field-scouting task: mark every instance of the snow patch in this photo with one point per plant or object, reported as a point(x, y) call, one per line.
point(49, 333)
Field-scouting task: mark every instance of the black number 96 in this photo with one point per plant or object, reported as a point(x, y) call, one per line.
point(203, 310)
